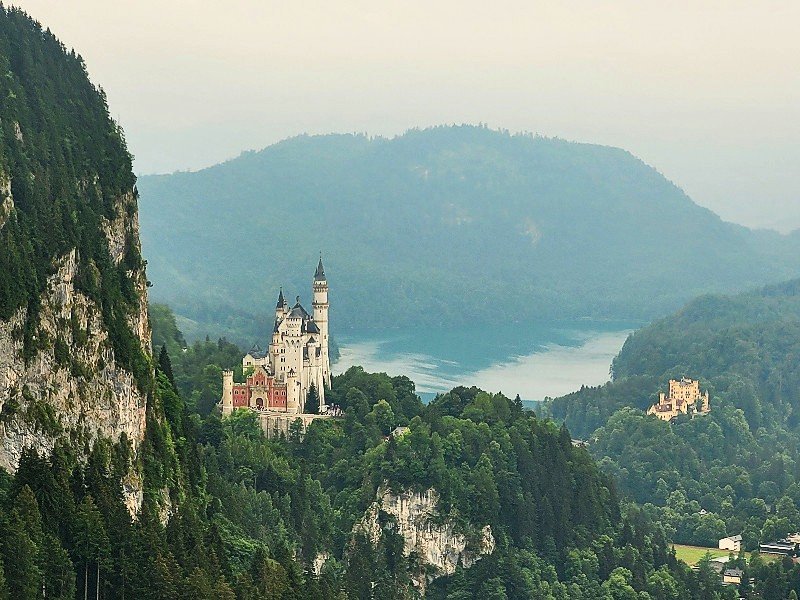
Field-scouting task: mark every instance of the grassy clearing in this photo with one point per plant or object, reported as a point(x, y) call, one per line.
point(691, 555)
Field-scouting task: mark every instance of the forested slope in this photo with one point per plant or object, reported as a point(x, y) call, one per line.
point(740, 464)
point(74, 335)
point(440, 226)
point(250, 518)
point(66, 184)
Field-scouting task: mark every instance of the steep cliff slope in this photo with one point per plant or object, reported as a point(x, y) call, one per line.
point(74, 333)
point(438, 227)
point(438, 544)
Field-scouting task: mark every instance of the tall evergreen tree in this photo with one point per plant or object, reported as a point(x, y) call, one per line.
point(312, 401)
point(269, 577)
point(59, 572)
point(3, 587)
point(165, 365)
point(21, 560)
point(91, 545)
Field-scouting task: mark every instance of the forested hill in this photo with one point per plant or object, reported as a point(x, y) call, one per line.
point(741, 463)
point(252, 518)
point(439, 226)
point(74, 334)
point(752, 337)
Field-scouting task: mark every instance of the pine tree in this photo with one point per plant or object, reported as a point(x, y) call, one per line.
point(360, 568)
point(91, 544)
point(38, 475)
point(20, 557)
point(3, 587)
point(27, 510)
point(269, 577)
point(199, 585)
point(517, 407)
point(312, 401)
point(165, 365)
point(486, 501)
point(59, 572)
point(245, 589)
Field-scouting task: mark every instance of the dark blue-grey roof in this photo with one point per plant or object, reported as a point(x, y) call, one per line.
point(257, 352)
point(733, 572)
point(319, 275)
point(298, 312)
point(281, 300)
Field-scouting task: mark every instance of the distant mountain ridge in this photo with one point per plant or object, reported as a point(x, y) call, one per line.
point(438, 226)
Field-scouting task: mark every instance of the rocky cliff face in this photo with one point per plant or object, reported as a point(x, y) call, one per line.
point(434, 538)
point(72, 387)
point(75, 358)
point(123, 232)
point(6, 201)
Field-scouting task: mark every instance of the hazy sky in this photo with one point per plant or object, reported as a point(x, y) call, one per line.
point(707, 92)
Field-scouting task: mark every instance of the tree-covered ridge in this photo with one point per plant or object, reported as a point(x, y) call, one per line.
point(68, 169)
point(245, 517)
point(249, 515)
point(549, 229)
point(740, 464)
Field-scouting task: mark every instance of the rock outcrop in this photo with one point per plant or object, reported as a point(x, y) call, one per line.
point(75, 357)
point(73, 387)
point(6, 200)
point(439, 544)
point(121, 233)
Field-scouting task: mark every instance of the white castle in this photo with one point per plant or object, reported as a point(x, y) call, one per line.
point(279, 379)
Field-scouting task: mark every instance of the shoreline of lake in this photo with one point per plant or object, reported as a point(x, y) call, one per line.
point(537, 361)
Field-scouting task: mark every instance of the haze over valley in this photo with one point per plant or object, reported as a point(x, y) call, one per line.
point(443, 226)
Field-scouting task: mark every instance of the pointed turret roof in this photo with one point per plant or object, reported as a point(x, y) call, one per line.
point(319, 275)
point(257, 352)
point(298, 312)
point(281, 300)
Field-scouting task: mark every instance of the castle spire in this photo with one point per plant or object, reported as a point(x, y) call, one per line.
point(319, 275)
point(281, 300)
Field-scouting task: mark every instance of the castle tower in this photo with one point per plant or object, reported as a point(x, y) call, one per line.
point(281, 307)
point(227, 393)
point(292, 345)
point(294, 403)
point(320, 306)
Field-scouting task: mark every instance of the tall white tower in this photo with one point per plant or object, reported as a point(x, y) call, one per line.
point(320, 306)
point(227, 393)
point(275, 346)
point(292, 357)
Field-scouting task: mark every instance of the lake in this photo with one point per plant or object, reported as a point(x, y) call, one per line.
point(532, 360)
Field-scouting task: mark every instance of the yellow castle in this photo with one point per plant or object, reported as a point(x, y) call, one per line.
point(684, 398)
